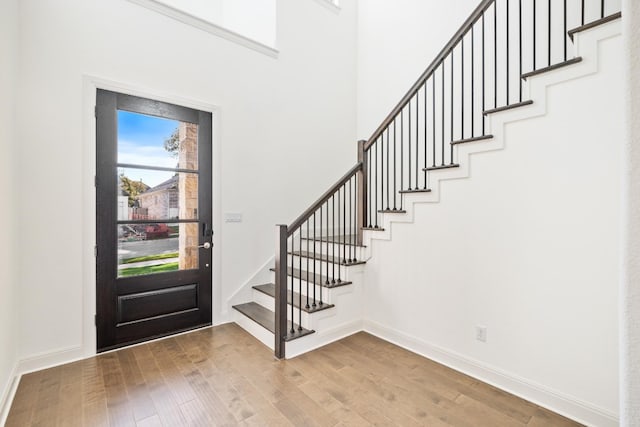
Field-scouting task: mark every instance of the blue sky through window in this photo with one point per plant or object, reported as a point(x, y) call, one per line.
point(141, 142)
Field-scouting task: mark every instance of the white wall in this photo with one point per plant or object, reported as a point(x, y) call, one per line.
point(630, 289)
point(8, 57)
point(255, 19)
point(286, 129)
point(396, 42)
point(528, 246)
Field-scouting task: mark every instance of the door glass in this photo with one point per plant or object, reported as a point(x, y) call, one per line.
point(156, 195)
point(156, 248)
point(157, 142)
point(157, 180)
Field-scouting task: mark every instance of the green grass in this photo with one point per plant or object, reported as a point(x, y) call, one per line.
point(149, 258)
point(150, 269)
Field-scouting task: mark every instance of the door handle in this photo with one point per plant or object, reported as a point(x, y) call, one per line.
point(205, 245)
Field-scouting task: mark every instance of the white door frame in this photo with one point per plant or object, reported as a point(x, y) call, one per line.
point(90, 85)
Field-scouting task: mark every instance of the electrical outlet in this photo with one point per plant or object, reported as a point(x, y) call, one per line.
point(481, 333)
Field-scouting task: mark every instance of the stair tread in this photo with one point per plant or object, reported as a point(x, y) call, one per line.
point(594, 24)
point(507, 107)
point(322, 257)
point(319, 279)
point(552, 67)
point(373, 228)
point(419, 190)
point(472, 139)
point(391, 211)
point(434, 168)
point(270, 289)
point(267, 319)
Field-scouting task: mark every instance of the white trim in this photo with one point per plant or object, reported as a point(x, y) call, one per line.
point(8, 394)
point(50, 359)
point(332, 5)
point(90, 85)
point(210, 27)
point(560, 403)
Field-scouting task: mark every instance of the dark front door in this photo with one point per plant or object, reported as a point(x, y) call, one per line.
point(153, 188)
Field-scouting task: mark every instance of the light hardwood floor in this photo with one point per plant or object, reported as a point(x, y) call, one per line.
point(223, 376)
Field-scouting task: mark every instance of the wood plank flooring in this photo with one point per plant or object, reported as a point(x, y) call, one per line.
point(222, 376)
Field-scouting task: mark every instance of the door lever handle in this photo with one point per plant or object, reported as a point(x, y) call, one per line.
point(205, 245)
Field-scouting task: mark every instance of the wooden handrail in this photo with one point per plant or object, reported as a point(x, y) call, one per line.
point(326, 196)
point(468, 24)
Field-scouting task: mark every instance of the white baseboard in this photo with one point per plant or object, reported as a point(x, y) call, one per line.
point(8, 394)
point(555, 401)
point(51, 359)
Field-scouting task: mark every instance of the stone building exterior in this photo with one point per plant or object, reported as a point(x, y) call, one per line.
point(188, 194)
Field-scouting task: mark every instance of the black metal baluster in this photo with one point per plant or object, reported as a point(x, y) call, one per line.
point(473, 73)
point(388, 168)
point(307, 306)
point(333, 238)
point(483, 76)
point(520, 48)
point(601, 8)
point(549, 34)
point(326, 245)
point(495, 54)
point(395, 162)
point(344, 223)
point(409, 148)
point(292, 330)
point(433, 113)
point(352, 235)
point(564, 34)
point(534, 34)
point(382, 170)
point(461, 90)
point(355, 217)
point(336, 236)
point(417, 137)
point(451, 117)
point(375, 211)
point(299, 283)
point(507, 54)
point(425, 134)
point(401, 154)
point(314, 254)
point(582, 13)
point(442, 152)
point(370, 189)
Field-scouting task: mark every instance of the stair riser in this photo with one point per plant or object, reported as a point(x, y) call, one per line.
point(320, 266)
point(328, 249)
point(327, 293)
point(268, 302)
point(262, 334)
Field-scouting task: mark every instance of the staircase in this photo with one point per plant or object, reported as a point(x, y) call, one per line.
point(487, 69)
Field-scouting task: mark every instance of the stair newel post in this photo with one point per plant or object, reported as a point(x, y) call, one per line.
point(281, 290)
point(362, 192)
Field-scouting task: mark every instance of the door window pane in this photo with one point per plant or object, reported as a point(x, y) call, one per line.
point(156, 248)
point(153, 141)
point(152, 195)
